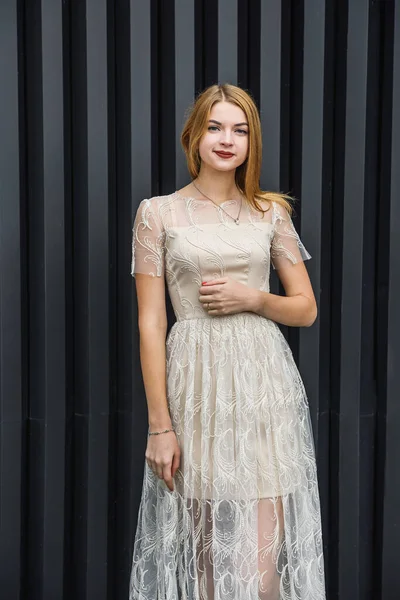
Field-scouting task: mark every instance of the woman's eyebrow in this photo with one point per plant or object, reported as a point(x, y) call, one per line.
point(218, 123)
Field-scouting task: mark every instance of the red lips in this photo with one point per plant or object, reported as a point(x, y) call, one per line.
point(224, 154)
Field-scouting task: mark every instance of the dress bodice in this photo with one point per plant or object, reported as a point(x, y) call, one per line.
point(188, 241)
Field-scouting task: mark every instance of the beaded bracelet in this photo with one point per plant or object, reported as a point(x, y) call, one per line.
point(159, 432)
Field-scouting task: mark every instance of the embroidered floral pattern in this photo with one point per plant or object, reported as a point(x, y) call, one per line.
point(243, 522)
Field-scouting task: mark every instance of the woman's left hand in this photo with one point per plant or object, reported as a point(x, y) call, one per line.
point(226, 296)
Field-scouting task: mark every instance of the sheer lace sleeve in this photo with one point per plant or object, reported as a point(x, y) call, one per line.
point(286, 246)
point(148, 240)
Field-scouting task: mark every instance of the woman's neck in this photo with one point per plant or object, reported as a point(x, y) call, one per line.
point(219, 186)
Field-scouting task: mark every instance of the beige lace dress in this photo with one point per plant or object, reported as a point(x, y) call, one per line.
point(243, 522)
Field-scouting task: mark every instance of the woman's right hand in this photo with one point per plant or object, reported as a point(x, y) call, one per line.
point(163, 456)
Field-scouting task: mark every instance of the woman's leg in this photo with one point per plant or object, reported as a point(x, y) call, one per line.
point(201, 518)
point(270, 536)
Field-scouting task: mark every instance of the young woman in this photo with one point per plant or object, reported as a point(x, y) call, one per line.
point(230, 506)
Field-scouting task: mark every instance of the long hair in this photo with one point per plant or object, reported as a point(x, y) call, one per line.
point(247, 175)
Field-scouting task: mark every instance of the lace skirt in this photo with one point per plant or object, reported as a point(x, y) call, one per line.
point(243, 521)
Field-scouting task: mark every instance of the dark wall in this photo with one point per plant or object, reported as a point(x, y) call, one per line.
point(93, 96)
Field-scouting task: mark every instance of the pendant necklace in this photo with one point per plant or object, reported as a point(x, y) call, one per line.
point(241, 201)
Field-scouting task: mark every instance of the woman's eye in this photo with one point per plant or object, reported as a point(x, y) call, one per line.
point(215, 128)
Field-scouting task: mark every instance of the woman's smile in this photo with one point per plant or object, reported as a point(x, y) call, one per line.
point(223, 154)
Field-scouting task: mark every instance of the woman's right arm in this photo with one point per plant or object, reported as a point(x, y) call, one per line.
point(152, 320)
point(162, 453)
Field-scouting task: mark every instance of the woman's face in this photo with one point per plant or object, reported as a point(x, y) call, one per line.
point(224, 146)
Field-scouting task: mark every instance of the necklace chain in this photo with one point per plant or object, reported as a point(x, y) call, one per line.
point(219, 206)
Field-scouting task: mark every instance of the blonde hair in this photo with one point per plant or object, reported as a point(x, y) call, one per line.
point(247, 175)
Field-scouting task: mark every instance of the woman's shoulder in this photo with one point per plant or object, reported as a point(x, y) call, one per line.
point(273, 203)
point(162, 198)
point(161, 208)
point(157, 202)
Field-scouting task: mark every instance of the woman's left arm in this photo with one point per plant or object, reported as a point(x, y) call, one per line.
point(298, 308)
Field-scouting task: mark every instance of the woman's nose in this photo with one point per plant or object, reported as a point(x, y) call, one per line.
point(226, 137)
